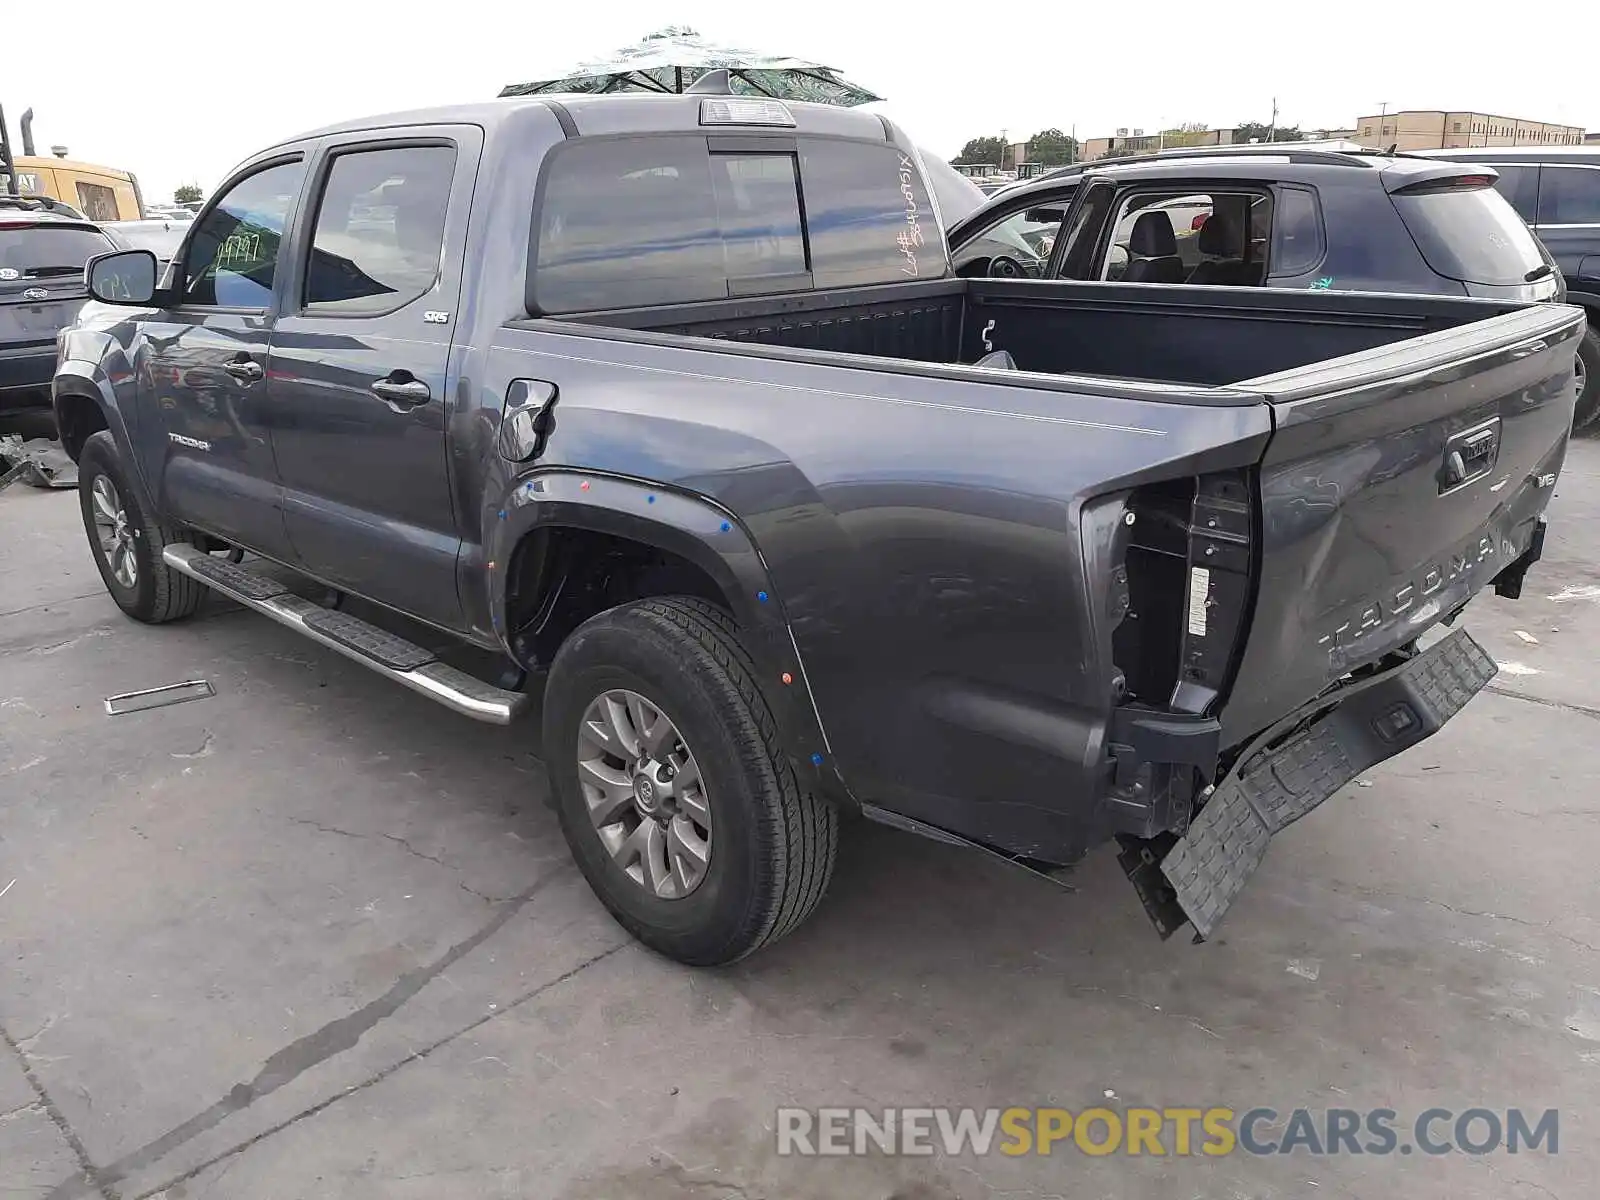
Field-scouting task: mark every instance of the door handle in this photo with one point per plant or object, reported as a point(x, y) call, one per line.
point(246, 369)
point(401, 391)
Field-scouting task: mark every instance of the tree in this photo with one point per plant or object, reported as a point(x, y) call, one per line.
point(1052, 148)
point(1258, 131)
point(187, 194)
point(979, 150)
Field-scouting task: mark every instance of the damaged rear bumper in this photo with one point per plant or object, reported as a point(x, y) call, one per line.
point(1279, 779)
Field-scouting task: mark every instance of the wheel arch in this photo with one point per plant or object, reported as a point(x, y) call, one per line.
point(567, 545)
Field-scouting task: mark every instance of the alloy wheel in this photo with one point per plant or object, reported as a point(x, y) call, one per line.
point(113, 531)
point(646, 798)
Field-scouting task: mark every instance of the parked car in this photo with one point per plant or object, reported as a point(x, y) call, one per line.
point(160, 236)
point(1322, 219)
point(43, 251)
point(1556, 189)
point(688, 424)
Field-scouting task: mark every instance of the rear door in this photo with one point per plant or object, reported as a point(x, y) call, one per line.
point(41, 291)
point(359, 367)
point(1398, 483)
point(1569, 221)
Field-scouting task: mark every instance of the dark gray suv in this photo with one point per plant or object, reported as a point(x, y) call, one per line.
point(1556, 189)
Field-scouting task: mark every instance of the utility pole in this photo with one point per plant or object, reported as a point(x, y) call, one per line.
point(1272, 129)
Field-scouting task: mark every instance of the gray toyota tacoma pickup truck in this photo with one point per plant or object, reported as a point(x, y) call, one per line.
point(668, 412)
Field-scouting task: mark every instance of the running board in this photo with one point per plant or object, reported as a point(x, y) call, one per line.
point(376, 649)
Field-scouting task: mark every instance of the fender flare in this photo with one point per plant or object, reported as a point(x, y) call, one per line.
point(697, 529)
point(86, 380)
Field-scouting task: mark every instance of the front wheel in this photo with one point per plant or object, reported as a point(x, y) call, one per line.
point(127, 542)
point(681, 809)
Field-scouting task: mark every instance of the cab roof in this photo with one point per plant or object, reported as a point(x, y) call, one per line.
point(620, 112)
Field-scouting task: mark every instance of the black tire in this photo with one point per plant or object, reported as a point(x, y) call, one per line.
point(773, 843)
point(1588, 407)
point(159, 593)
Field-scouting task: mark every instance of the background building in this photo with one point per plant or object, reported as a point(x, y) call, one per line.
point(1137, 141)
point(1430, 129)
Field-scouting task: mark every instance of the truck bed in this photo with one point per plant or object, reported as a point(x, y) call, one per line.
point(1171, 335)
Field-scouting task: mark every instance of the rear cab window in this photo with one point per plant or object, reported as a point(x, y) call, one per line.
point(637, 221)
point(1467, 230)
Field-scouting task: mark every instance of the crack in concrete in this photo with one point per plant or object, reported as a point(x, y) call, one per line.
point(1582, 710)
point(299, 1056)
point(1472, 912)
point(23, 1043)
point(88, 1181)
point(410, 849)
point(11, 1113)
point(27, 608)
point(321, 828)
point(376, 1078)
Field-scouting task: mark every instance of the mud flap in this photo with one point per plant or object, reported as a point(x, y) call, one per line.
point(1272, 787)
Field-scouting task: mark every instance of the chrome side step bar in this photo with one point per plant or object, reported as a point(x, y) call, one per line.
point(376, 649)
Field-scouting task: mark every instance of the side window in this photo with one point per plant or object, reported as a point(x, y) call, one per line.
point(1015, 246)
point(1519, 183)
point(1299, 242)
point(379, 229)
point(868, 215)
point(97, 202)
point(1155, 237)
point(1569, 196)
point(1215, 238)
point(233, 253)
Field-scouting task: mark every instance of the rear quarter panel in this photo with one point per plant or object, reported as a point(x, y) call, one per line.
point(923, 538)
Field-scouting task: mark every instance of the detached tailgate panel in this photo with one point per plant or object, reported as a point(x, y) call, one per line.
point(1399, 482)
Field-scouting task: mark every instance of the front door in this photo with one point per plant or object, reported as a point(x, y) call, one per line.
point(205, 363)
point(359, 370)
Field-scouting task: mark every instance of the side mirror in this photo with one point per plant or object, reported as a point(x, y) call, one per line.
point(1044, 216)
point(122, 277)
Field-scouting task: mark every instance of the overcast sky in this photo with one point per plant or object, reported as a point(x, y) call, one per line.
point(182, 92)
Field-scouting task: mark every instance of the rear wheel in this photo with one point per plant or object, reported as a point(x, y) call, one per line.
point(1586, 377)
point(680, 808)
point(127, 542)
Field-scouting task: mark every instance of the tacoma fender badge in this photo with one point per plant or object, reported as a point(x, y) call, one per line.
point(192, 443)
point(435, 317)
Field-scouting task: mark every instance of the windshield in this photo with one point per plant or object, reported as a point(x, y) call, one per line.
point(1470, 233)
point(32, 252)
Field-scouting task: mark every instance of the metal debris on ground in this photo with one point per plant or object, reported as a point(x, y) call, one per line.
point(172, 693)
point(38, 462)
